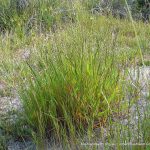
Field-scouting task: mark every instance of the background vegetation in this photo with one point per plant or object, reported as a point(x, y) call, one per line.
point(27, 14)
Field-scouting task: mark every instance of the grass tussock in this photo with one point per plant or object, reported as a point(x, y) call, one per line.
point(76, 82)
point(70, 80)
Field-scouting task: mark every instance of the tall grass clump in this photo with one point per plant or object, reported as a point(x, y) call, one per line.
point(74, 83)
point(72, 78)
point(71, 93)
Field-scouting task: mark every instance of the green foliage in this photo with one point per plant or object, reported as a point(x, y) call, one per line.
point(71, 88)
point(91, 4)
point(74, 79)
point(142, 6)
point(34, 13)
point(28, 14)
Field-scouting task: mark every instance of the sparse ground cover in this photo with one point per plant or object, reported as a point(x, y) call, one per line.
point(85, 82)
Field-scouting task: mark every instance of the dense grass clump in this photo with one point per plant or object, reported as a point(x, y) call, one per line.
point(73, 81)
point(73, 87)
point(71, 71)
